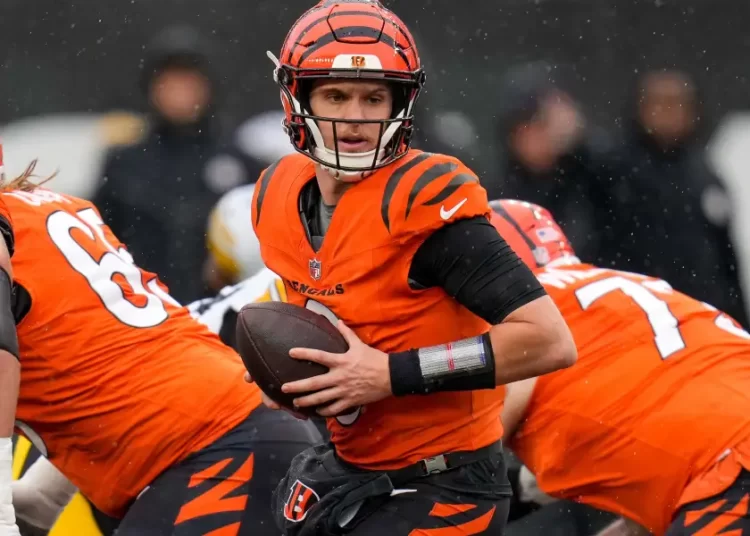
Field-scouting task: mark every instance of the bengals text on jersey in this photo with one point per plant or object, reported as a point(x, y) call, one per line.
point(349, 74)
point(361, 275)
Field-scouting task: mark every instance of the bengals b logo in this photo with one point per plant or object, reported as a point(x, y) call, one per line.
point(300, 500)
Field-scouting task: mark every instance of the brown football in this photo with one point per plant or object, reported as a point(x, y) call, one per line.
point(266, 331)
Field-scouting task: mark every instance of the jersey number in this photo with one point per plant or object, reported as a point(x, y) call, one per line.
point(100, 274)
point(667, 336)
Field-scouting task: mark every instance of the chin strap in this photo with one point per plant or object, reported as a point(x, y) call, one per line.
point(344, 176)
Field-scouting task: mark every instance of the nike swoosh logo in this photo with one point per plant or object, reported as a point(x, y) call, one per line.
point(446, 214)
point(402, 491)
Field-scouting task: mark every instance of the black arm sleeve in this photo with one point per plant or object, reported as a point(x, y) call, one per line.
point(476, 266)
point(228, 330)
point(106, 199)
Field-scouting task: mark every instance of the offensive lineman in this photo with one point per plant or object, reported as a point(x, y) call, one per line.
point(653, 422)
point(115, 390)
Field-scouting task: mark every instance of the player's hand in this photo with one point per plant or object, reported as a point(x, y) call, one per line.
point(357, 377)
point(269, 403)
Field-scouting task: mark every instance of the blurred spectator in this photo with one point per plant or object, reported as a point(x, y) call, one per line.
point(671, 213)
point(552, 156)
point(449, 132)
point(73, 146)
point(157, 195)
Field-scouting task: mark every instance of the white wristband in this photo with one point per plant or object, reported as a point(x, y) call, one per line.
point(7, 514)
point(45, 479)
point(41, 494)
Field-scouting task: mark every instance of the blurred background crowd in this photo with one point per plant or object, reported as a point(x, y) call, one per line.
point(627, 119)
point(624, 118)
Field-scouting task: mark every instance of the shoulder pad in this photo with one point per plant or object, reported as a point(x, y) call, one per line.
point(286, 166)
point(428, 191)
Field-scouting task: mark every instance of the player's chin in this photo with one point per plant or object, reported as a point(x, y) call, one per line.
point(353, 177)
point(356, 147)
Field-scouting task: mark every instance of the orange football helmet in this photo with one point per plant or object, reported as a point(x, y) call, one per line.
point(532, 233)
point(349, 39)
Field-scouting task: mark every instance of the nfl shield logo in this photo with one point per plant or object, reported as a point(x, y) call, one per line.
point(314, 269)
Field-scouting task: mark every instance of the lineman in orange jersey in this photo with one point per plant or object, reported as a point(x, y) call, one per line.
point(126, 394)
point(438, 310)
point(40, 496)
point(653, 422)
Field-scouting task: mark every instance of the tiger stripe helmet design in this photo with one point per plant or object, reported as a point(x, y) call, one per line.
point(349, 39)
point(532, 233)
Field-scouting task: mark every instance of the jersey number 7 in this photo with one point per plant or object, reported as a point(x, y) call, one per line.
point(667, 336)
point(100, 274)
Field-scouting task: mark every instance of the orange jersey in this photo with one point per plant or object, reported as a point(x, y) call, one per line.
point(118, 382)
point(660, 391)
point(360, 275)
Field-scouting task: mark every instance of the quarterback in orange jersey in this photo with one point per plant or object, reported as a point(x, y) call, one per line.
point(139, 405)
point(437, 309)
point(653, 421)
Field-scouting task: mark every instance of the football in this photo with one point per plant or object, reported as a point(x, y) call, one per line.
point(266, 332)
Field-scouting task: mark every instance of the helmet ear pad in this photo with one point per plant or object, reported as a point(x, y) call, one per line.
point(294, 124)
point(303, 90)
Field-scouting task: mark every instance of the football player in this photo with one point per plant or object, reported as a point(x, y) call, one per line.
point(233, 250)
point(437, 309)
point(42, 493)
point(141, 407)
point(653, 422)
